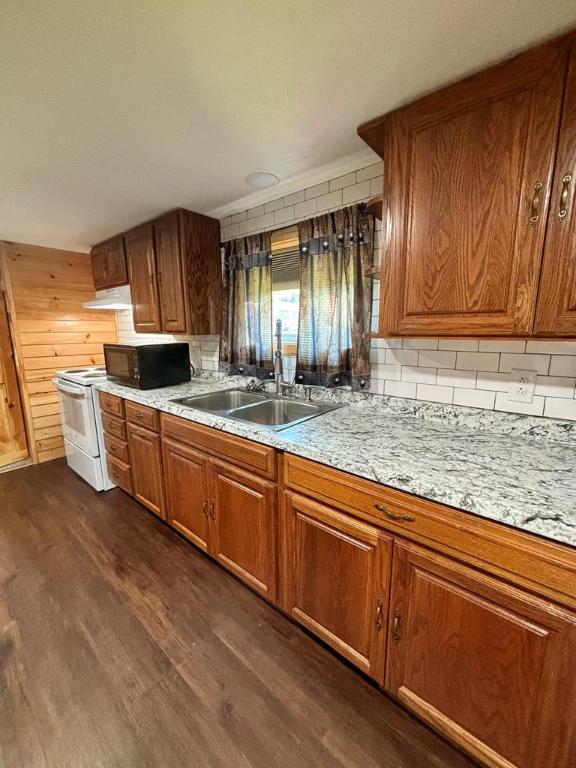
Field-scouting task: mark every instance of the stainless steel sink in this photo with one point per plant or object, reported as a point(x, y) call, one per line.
point(223, 401)
point(259, 408)
point(279, 412)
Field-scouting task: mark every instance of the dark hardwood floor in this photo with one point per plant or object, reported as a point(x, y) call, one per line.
point(122, 645)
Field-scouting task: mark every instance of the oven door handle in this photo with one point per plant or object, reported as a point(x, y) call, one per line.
point(70, 389)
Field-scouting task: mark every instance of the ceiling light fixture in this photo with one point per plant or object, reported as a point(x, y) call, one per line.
point(261, 180)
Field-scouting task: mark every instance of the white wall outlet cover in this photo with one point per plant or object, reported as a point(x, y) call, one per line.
point(522, 384)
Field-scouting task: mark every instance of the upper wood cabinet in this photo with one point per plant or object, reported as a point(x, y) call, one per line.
point(175, 273)
point(556, 310)
point(483, 662)
point(143, 279)
point(109, 268)
point(468, 177)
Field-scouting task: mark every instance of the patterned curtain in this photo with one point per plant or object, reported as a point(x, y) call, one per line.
point(246, 339)
point(335, 299)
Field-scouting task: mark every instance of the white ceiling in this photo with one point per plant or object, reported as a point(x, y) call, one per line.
point(116, 110)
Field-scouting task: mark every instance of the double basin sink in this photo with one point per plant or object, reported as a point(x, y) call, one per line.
point(259, 408)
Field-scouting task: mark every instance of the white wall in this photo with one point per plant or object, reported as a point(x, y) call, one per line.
point(464, 372)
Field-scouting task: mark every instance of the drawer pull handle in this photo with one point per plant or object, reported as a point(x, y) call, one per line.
point(395, 515)
point(396, 626)
point(379, 606)
point(564, 196)
point(212, 515)
point(205, 507)
point(535, 205)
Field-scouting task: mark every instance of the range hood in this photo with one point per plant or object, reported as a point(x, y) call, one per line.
point(111, 298)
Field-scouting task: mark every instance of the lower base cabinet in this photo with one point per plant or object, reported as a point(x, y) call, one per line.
point(336, 580)
point(146, 466)
point(491, 667)
point(228, 512)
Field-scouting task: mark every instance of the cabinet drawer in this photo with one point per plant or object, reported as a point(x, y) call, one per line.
point(119, 472)
point(542, 566)
point(143, 415)
point(237, 450)
point(114, 426)
point(117, 447)
point(111, 404)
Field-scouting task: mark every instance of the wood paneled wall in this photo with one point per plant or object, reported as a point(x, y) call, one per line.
point(45, 289)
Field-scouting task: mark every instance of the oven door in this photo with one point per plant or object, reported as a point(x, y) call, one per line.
point(78, 420)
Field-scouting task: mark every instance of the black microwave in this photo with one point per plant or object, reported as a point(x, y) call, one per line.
point(147, 366)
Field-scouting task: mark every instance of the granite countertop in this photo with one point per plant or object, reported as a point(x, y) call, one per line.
point(517, 470)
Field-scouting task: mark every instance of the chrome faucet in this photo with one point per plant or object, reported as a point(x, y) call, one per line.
point(281, 385)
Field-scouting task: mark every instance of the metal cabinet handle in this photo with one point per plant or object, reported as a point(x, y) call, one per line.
point(535, 205)
point(212, 515)
point(396, 626)
point(562, 213)
point(395, 515)
point(379, 606)
point(205, 507)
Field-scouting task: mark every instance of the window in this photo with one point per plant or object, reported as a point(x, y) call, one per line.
point(286, 286)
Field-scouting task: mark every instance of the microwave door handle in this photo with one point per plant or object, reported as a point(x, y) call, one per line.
point(70, 389)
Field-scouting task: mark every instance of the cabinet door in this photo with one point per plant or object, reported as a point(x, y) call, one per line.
point(467, 179)
point(187, 492)
point(99, 256)
point(489, 666)
point(117, 271)
point(143, 283)
point(146, 468)
point(200, 242)
point(244, 526)
point(336, 572)
point(556, 315)
point(171, 280)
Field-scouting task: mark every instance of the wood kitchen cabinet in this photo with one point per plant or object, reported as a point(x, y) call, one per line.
point(109, 268)
point(469, 194)
point(336, 580)
point(187, 485)
point(488, 665)
point(229, 511)
point(244, 523)
point(143, 279)
point(146, 467)
point(556, 310)
point(175, 274)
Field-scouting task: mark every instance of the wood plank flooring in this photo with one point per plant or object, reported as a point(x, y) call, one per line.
point(123, 646)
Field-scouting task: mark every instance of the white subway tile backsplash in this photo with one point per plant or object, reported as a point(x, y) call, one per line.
point(387, 371)
point(563, 365)
point(329, 201)
point(535, 408)
point(402, 356)
point(238, 217)
point(418, 375)
point(343, 181)
point(498, 382)
point(437, 358)
point(264, 221)
point(295, 197)
point(374, 171)
point(434, 393)
point(355, 193)
point(462, 379)
point(459, 345)
point(552, 347)
point(375, 187)
point(560, 408)
point(247, 227)
point(258, 210)
point(538, 363)
point(420, 343)
point(317, 190)
point(477, 361)
point(501, 345)
point(474, 398)
point(284, 215)
point(400, 389)
point(305, 208)
point(387, 343)
point(274, 205)
point(555, 386)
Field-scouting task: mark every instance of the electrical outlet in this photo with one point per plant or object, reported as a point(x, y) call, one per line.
point(522, 384)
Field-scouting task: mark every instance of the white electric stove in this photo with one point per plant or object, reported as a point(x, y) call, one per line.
point(82, 424)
